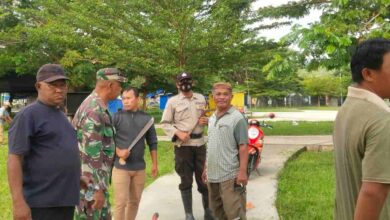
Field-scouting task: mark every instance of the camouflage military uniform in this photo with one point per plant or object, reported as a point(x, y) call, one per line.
point(96, 144)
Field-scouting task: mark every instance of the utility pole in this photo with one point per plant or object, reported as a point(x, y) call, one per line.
point(247, 87)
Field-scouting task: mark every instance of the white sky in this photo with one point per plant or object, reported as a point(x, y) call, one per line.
point(277, 33)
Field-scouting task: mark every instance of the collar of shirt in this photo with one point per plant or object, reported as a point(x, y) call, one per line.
point(49, 106)
point(181, 96)
point(368, 96)
point(231, 110)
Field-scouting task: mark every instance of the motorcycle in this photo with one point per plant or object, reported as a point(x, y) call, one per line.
point(255, 146)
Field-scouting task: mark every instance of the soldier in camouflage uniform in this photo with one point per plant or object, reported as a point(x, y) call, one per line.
point(95, 135)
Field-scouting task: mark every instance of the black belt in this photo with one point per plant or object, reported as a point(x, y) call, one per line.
point(192, 136)
point(196, 136)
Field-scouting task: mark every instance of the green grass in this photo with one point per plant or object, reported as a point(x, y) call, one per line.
point(287, 128)
point(302, 128)
point(160, 132)
point(156, 114)
point(165, 165)
point(323, 108)
point(306, 187)
point(294, 109)
point(5, 196)
point(274, 109)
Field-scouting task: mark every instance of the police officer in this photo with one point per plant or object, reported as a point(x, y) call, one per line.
point(183, 120)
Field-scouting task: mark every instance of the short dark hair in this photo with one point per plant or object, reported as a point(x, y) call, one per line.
point(130, 88)
point(368, 54)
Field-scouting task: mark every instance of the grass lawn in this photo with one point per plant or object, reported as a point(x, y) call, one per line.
point(165, 162)
point(165, 155)
point(160, 132)
point(306, 187)
point(287, 128)
point(274, 109)
point(5, 196)
point(322, 108)
point(156, 114)
point(302, 128)
point(294, 109)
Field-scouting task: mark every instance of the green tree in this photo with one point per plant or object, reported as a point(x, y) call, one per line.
point(321, 83)
point(343, 23)
point(149, 40)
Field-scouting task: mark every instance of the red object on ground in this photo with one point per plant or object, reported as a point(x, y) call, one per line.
point(271, 115)
point(155, 216)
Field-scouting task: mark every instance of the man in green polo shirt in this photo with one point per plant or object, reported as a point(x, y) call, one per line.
point(227, 157)
point(362, 137)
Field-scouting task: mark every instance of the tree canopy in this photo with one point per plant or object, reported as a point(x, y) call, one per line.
point(152, 41)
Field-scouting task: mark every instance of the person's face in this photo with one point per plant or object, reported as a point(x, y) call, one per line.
point(222, 97)
point(382, 78)
point(52, 93)
point(129, 100)
point(115, 89)
point(185, 85)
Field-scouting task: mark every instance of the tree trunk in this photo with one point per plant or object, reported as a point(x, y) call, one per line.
point(319, 101)
point(143, 97)
point(327, 100)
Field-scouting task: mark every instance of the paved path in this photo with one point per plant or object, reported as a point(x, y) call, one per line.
point(163, 195)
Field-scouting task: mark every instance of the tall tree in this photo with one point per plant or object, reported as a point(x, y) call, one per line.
point(154, 40)
point(342, 25)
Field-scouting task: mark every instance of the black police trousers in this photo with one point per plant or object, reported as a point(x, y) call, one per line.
point(189, 160)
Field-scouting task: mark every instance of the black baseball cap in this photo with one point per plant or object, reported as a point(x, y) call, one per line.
point(182, 76)
point(50, 73)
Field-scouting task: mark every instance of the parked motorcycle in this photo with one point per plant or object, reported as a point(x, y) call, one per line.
point(255, 146)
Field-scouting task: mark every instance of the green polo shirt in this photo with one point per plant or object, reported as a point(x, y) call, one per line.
point(225, 134)
point(361, 139)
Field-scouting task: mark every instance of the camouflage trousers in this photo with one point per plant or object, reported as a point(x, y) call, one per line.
point(84, 211)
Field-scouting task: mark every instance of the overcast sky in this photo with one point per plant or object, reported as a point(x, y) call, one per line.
point(277, 33)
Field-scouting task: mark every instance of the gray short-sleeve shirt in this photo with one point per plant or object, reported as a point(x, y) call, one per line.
point(225, 134)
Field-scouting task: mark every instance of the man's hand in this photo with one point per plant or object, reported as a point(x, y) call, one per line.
point(154, 171)
point(204, 176)
point(183, 136)
point(84, 180)
point(203, 120)
point(242, 178)
point(21, 211)
point(98, 199)
point(122, 153)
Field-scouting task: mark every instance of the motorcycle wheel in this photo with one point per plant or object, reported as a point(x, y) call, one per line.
point(252, 162)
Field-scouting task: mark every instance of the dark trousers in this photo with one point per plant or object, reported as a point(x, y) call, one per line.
point(57, 213)
point(227, 201)
point(190, 160)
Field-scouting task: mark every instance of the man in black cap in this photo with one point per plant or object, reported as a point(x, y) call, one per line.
point(43, 160)
point(183, 120)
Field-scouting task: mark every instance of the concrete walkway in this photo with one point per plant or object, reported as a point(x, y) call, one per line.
point(163, 195)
